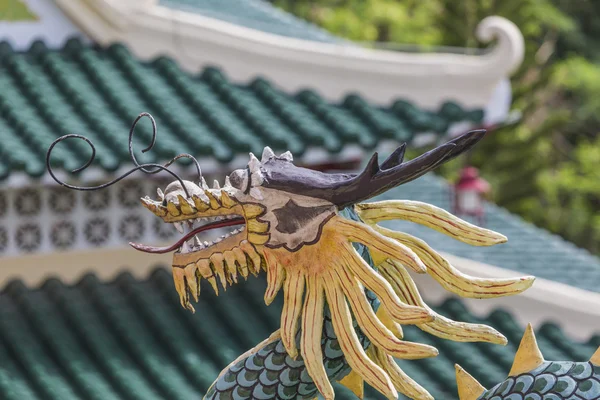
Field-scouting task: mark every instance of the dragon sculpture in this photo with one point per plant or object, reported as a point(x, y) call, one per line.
point(344, 278)
point(533, 378)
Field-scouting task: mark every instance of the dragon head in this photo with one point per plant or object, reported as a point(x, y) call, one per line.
point(272, 203)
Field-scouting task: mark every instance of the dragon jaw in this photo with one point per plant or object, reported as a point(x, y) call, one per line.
point(209, 208)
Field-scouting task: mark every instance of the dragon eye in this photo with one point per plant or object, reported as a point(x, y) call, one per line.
point(240, 179)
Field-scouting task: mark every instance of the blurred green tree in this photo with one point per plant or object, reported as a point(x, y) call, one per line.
point(546, 167)
point(15, 10)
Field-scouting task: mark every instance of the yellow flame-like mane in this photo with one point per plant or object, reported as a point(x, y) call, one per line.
point(332, 271)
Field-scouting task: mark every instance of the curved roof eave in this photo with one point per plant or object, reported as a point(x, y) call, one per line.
point(428, 79)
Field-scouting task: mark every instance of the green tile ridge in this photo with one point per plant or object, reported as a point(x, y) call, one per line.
point(130, 339)
point(256, 14)
point(529, 249)
point(98, 92)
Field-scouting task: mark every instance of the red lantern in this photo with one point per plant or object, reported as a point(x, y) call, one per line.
point(469, 194)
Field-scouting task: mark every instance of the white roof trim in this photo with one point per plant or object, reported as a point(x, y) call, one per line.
point(195, 41)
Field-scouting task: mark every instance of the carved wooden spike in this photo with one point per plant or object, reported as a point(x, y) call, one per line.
point(242, 262)
point(596, 358)
point(192, 281)
point(203, 183)
point(218, 263)
point(201, 204)
point(226, 200)
point(173, 210)
point(179, 280)
point(230, 263)
point(267, 154)
point(254, 256)
point(389, 323)
point(205, 271)
point(214, 196)
point(468, 387)
point(528, 355)
point(287, 156)
point(156, 209)
point(355, 383)
point(254, 164)
point(185, 207)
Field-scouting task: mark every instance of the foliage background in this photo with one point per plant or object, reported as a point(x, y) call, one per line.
point(546, 167)
point(15, 11)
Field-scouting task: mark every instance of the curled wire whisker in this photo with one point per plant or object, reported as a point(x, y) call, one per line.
point(138, 167)
point(186, 155)
point(152, 142)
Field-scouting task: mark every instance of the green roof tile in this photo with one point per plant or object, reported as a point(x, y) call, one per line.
point(130, 339)
point(529, 249)
point(255, 14)
point(98, 92)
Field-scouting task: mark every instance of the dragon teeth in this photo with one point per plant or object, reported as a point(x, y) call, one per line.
point(185, 247)
point(178, 226)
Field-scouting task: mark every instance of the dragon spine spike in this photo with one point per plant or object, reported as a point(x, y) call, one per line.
point(161, 195)
point(394, 159)
point(227, 184)
point(267, 154)
point(528, 356)
point(595, 359)
point(355, 383)
point(203, 183)
point(287, 156)
point(216, 184)
point(253, 164)
point(468, 387)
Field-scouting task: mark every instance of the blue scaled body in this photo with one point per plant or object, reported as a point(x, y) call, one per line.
point(552, 380)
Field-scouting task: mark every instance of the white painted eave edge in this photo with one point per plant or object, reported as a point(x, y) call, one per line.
point(195, 41)
point(575, 310)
